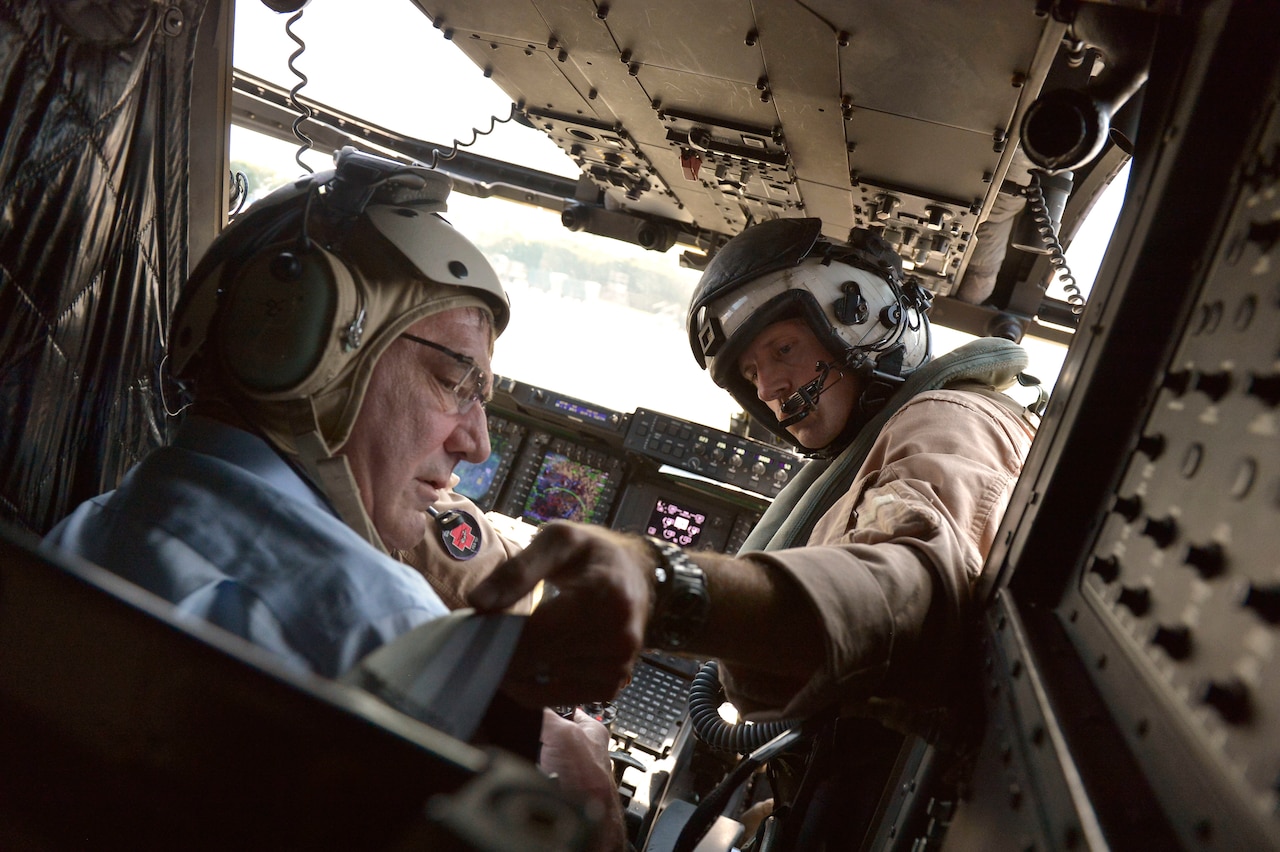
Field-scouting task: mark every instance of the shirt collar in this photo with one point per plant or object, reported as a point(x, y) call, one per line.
point(249, 451)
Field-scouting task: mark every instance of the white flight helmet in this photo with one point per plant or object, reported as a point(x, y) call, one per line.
point(852, 295)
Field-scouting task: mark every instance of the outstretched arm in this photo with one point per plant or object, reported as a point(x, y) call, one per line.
point(582, 641)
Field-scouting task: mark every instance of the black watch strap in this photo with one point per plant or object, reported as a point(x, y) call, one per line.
point(681, 604)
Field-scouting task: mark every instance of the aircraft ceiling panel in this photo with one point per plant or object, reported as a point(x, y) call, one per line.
point(833, 205)
point(894, 114)
point(946, 162)
point(511, 63)
point(946, 63)
point(703, 39)
point(520, 21)
point(712, 98)
point(728, 189)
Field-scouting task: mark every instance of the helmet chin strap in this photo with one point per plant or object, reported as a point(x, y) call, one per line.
point(797, 406)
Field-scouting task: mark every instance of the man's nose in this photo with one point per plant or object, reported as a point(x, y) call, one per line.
point(472, 436)
point(771, 383)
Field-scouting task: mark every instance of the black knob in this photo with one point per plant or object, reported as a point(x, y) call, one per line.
point(1128, 507)
point(1137, 599)
point(1175, 640)
point(286, 266)
point(1230, 698)
point(1264, 600)
point(1161, 530)
point(1151, 446)
point(1265, 388)
point(1178, 382)
point(1106, 567)
point(1208, 559)
point(1214, 385)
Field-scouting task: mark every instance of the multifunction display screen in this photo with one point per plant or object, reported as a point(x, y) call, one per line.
point(566, 490)
point(675, 522)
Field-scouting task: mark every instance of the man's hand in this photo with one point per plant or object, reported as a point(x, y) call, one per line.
point(583, 639)
point(577, 752)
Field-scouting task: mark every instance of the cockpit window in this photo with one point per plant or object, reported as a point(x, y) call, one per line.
point(593, 318)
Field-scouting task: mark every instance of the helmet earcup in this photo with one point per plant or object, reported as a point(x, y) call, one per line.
point(279, 315)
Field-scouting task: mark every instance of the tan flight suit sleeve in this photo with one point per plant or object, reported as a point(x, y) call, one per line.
point(890, 568)
point(451, 578)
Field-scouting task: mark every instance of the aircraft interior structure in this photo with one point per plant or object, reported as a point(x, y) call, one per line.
point(1125, 667)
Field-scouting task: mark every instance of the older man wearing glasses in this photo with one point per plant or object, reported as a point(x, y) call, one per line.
point(335, 342)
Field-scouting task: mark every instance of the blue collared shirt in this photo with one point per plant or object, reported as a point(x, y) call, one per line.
point(221, 526)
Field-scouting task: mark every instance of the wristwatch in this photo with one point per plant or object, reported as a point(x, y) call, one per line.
point(680, 600)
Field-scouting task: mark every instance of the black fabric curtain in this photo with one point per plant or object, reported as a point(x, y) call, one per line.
point(94, 97)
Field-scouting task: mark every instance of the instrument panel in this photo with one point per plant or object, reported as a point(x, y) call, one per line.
point(555, 457)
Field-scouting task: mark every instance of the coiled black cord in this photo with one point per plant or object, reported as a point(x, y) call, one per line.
point(239, 193)
point(706, 694)
point(1057, 257)
point(437, 155)
point(304, 111)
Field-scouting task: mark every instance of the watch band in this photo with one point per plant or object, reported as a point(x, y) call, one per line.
point(681, 604)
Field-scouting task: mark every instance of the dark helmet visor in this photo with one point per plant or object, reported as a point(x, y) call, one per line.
point(759, 250)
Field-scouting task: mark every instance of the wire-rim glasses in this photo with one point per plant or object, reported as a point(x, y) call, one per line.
point(471, 388)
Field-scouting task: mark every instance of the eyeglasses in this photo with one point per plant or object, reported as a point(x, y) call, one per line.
point(471, 387)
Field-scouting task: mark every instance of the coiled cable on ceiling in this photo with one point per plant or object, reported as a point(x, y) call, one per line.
point(1044, 229)
point(239, 193)
point(437, 155)
point(304, 111)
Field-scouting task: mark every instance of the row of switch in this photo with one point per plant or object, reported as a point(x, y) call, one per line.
point(1217, 385)
point(1263, 599)
point(1230, 697)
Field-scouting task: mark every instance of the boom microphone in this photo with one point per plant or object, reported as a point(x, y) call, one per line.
point(797, 406)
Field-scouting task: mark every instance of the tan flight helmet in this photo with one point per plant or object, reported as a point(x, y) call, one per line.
point(296, 300)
